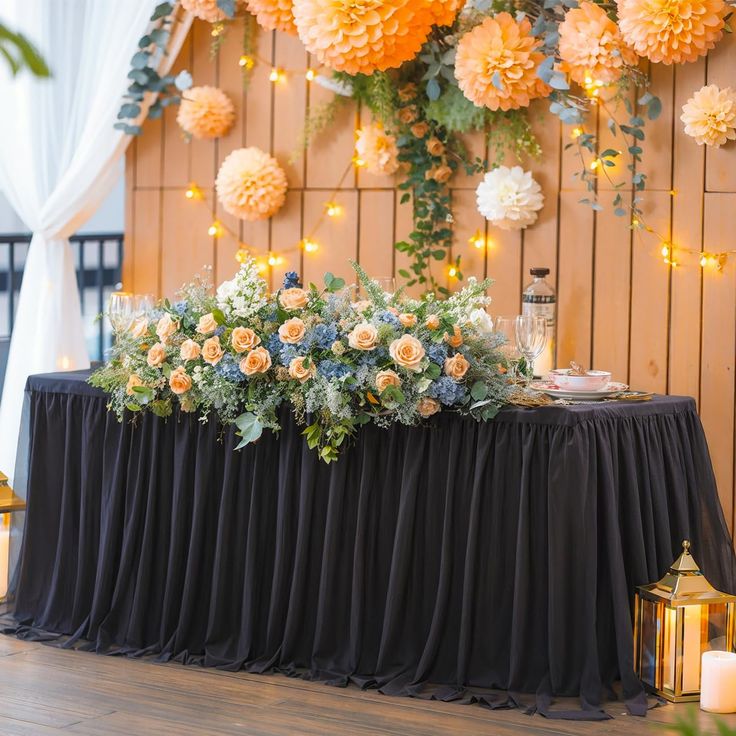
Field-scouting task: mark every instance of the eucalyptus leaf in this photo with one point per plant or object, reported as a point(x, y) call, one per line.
point(183, 80)
point(249, 427)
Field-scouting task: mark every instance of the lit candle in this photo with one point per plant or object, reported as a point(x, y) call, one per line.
point(718, 682)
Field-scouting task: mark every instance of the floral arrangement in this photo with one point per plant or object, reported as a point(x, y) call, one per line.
point(205, 112)
point(241, 353)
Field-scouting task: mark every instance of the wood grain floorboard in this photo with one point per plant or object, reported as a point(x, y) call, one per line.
point(46, 690)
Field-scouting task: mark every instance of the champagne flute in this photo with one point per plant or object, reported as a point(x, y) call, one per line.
point(120, 311)
point(144, 304)
point(387, 284)
point(506, 326)
point(531, 337)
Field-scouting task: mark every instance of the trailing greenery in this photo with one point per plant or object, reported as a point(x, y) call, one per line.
point(20, 53)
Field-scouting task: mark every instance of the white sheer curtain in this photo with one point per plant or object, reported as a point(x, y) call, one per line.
point(58, 151)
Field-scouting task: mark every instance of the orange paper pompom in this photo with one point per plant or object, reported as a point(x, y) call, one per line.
point(362, 36)
point(444, 13)
point(671, 31)
point(251, 184)
point(591, 45)
point(496, 64)
point(206, 10)
point(205, 112)
point(275, 15)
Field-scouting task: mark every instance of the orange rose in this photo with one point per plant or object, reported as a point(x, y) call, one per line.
point(408, 114)
point(441, 174)
point(456, 339)
point(212, 351)
point(419, 130)
point(179, 380)
point(206, 324)
point(427, 407)
point(384, 379)
point(243, 338)
point(189, 350)
point(156, 355)
point(292, 331)
point(133, 380)
point(139, 328)
point(408, 92)
point(456, 367)
point(407, 352)
point(407, 319)
point(166, 327)
point(363, 337)
point(433, 322)
point(299, 372)
point(257, 361)
point(435, 147)
point(293, 299)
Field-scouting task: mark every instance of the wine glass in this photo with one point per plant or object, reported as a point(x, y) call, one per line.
point(387, 284)
point(531, 337)
point(121, 311)
point(144, 304)
point(506, 326)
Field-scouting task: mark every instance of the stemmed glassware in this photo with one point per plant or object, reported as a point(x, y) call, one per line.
point(506, 326)
point(121, 311)
point(531, 337)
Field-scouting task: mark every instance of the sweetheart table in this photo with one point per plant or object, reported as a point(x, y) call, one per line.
point(492, 562)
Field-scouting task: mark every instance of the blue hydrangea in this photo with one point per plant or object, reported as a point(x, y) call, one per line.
point(447, 391)
point(273, 344)
point(436, 352)
point(322, 336)
point(289, 352)
point(220, 330)
point(229, 368)
point(372, 357)
point(388, 318)
point(333, 369)
point(291, 280)
point(180, 307)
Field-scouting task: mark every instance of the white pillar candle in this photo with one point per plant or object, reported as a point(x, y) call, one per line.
point(718, 682)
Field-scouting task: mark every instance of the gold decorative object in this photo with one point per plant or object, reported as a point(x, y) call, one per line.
point(676, 620)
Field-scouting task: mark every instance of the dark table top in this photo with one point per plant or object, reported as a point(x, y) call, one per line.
point(75, 382)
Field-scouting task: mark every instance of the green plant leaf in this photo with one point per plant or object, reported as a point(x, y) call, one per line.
point(249, 427)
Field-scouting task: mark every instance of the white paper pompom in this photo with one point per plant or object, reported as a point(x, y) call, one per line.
point(509, 198)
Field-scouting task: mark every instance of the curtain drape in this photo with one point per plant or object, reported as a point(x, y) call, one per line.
point(58, 155)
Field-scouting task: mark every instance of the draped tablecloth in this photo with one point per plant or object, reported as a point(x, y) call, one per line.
point(458, 560)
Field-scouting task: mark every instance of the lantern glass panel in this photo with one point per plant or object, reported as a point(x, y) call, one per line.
point(716, 627)
point(649, 637)
point(669, 648)
point(692, 639)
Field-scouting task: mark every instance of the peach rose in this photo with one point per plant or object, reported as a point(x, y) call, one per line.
point(257, 361)
point(166, 327)
point(190, 350)
point(432, 322)
point(180, 381)
point(299, 372)
point(384, 379)
point(408, 92)
point(139, 328)
point(441, 174)
point(456, 367)
point(435, 147)
point(156, 355)
point(427, 407)
point(212, 351)
point(293, 299)
point(456, 339)
point(206, 324)
point(407, 352)
point(292, 331)
point(419, 130)
point(363, 337)
point(408, 114)
point(243, 339)
point(407, 319)
point(133, 380)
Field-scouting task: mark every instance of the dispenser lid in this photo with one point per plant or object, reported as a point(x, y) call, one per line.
point(539, 271)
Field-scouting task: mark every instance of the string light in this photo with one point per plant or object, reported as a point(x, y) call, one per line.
point(217, 29)
point(576, 133)
point(215, 229)
point(247, 62)
point(478, 240)
point(666, 251)
point(703, 261)
point(452, 272)
point(193, 192)
point(333, 209)
point(309, 246)
point(274, 260)
point(242, 255)
point(311, 75)
point(277, 75)
point(594, 164)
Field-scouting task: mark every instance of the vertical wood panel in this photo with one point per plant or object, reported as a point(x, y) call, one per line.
point(620, 306)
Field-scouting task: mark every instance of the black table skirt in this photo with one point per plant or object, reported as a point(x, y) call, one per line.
point(455, 560)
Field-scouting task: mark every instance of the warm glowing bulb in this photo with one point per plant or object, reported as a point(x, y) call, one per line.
point(217, 29)
point(246, 61)
point(673, 192)
point(452, 272)
point(594, 164)
point(311, 75)
point(215, 229)
point(277, 75)
point(478, 240)
point(588, 80)
point(261, 266)
point(665, 251)
point(703, 261)
point(576, 133)
point(332, 209)
point(193, 192)
point(310, 246)
point(189, 194)
point(635, 223)
point(242, 255)
point(358, 161)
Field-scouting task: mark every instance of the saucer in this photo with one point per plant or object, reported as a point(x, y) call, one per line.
point(552, 389)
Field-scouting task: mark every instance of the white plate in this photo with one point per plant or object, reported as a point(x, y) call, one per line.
point(549, 388)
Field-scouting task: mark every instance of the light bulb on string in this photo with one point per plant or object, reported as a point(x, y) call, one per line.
point(277, 75)
point(333, 209)
point(309, 246)
point(311, 75)
point(193, 192)
point(275, 260)
point(215, 229)
point(576, 133)
point(247, 62)
point(478, 240)
point(452, 272)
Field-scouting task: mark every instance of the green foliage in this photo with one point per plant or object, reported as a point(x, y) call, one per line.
point(377, 92)
point(20, 53)
point(454, 111)
point(688, 725)
point(145, 77)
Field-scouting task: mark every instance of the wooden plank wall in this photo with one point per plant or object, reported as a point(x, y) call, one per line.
point(620, 307)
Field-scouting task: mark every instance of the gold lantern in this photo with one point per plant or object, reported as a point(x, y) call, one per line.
point(676, 620)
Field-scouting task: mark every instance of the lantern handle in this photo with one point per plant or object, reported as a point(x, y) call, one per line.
point(686, 546)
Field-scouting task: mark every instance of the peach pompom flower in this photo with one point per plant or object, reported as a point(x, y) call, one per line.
point(206, 10)
point(496, 64)
point(275, 15)
point(251, 184)
point(377, 150)
point(362, 36)
point(671, 31)
point(591, 46)
point(710, 116)
point(205, 112)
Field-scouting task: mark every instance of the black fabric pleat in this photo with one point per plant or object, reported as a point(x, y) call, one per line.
point(477, 562)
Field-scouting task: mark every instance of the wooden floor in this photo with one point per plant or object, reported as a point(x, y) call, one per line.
point(44, 690)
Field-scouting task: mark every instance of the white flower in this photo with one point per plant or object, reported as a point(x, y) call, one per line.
point(245, 295)
point(481, 320)
point(509, 198)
